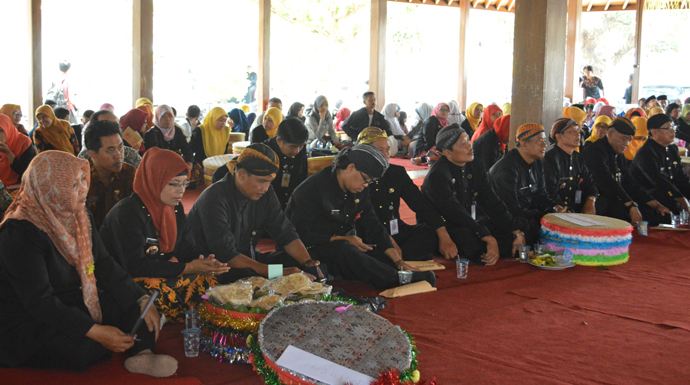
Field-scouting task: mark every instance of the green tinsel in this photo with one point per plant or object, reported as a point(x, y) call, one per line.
point(225, 330)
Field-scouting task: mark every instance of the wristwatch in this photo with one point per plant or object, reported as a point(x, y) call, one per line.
point(631, 205)
point(520, 234)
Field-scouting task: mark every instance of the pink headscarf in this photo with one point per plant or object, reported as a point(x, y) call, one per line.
point(444, 122)
point(108, 106)
point(609, 111)
point(168, 133)
point(341, 117)
point(44, 199)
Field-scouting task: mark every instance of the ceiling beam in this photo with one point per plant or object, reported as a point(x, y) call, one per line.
point(625, 5)
point(589, 7)
point(475, 3)
point(512, 4)
point(608, 4)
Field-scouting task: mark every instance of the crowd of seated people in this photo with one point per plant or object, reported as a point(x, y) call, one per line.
point(89, 232)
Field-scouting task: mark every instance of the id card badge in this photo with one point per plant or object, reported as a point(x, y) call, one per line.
point(618, 177)
point(394, 226)
point(286, 180)
point(151, 246)
point(474, 211)
point(578, 196)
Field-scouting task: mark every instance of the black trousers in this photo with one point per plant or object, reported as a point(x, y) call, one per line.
point(472, 248)
point(417, 243)
point(62, 352)
point(344, 260)
point(615, 209)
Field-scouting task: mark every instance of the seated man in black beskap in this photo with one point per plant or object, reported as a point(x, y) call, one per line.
point(229, 217)
point(657, 165)
point(568, 179)
point(620, 195)
point(289, 145)
point(518, 179)
point(325, 208)
point(366, 117)
point(413, 243)
point(459, 187)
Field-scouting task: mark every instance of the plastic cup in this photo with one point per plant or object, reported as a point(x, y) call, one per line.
point(684, 216)
point(192, 320)
point(404, 277)
point(462, 266)
point(192, 337)
point(675, 221)
point(523, 251)
point(539, 249)
point(643, 228)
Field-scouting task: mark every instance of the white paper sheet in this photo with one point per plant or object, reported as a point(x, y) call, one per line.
point(320, 369)
point(580, 220)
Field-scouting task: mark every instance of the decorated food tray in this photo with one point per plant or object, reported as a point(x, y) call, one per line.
point(357, 339)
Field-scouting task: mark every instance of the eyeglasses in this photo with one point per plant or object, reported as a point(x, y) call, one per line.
point(17, 113)
point(368, 181)
point(444, 110)
point(177, 185)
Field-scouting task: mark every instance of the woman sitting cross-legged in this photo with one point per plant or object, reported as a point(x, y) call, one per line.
point(66, 303)
point(147, 234)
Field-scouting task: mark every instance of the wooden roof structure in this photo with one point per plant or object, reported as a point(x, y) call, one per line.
point(587, 5)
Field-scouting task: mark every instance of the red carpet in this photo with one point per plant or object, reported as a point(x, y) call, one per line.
point(510, 323)
point(405, 162)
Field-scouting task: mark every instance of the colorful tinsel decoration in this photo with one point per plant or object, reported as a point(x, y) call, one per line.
point(225, 346)
point(230, 322)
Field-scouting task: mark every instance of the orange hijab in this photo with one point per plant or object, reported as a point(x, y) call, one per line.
point(637, 111)
point(487, 121)
point(156, 169)
point(640, 132)
point(502, 129)
point(44, 199)
point(17, 143)
point(149, 117)
point(59, 133)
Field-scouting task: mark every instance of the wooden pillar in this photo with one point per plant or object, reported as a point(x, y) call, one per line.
point(142, 50)
point(462, 68)
point(573, 35)
point(35, 82)
point(377, 50)
point(263, 72)
point(538, 63)
point(638, 53)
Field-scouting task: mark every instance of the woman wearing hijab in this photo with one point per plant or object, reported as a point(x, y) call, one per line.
point(16, 152)
point(474, 117)
point(633, 112)
point(609, 111)
point(209, 139)
point(53, 133)
point(66, 303)
point(340, 117)
point(320, 122)
point(491, 146)
point(601, 126)
point(427, 138)
point(390, 112)
point(167, 135)
point(491, 113)
point(245, 108)
point(150, 118)
point(641, 135)
point(14, 111)
point(296, 111)
point(423, 111)
point(136, 120)
point(272, 119)
point(506, 108)
point(655, 111)
point(239, 122)
point(455, 115)
point(148, 236)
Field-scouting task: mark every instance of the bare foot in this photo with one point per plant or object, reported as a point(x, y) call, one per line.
point(155, 365)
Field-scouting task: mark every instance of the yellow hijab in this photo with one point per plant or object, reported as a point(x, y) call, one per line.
point(245, 108)
point(506, 108)
point(8, 109)
point(575, 114)
point(470, 115)
point(640, 131)
point(215, 141)
point(601, 119)
point(655, 111)
point(277, 117)
point(59, 133)
point(142, 101)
